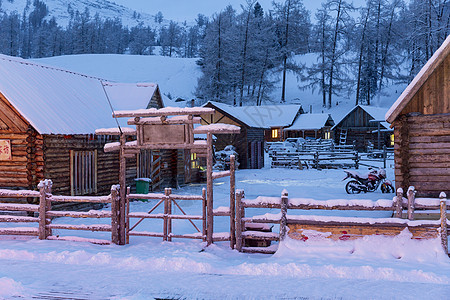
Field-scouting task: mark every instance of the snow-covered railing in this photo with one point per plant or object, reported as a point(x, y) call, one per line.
point(45, 226)
point(337, 227)
point(13, 213)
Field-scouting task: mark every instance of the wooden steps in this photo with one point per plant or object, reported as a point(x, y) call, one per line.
point(263, 250)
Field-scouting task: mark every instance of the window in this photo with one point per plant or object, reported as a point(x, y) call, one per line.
point(327, 135)
point(83, 172)
point(392, 140)
point(194, 161)
point(275, 133)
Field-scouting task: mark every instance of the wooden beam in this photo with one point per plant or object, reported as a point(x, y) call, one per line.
point(173, 120)
point(167, 111)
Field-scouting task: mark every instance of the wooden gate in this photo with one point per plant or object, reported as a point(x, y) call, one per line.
point(169, 201)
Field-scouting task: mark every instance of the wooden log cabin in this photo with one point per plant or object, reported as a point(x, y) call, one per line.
point(316, 126)
point(421, 121)
point(47, 120)
point(363, 126)
point(249, 142)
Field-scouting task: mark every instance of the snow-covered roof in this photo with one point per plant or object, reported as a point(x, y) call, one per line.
point(377, 113)
point(128, 96)
point(310, 122)
point(418, 81)
point(57, 101)
point(265, 116)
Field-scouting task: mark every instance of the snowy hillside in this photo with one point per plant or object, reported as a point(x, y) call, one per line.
point(59, 10)
point(177, 78)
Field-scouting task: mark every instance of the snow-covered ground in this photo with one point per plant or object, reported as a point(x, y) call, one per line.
point(371, 268)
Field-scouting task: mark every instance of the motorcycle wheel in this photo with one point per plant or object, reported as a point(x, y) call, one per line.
point(352, 187)
point(386, 188)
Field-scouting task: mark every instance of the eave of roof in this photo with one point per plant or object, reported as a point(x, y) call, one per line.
point(418, 81)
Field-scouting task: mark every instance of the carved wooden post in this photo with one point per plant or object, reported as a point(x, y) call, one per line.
point(42, 210)
point(232, 202)
point(115, 214)
point(411, 202)
point(399, 203)
point(444, 236)
point(204, 214)
point(283, 220)
point(239, 215)
point(209, 190)
point(166, 210)
point(122, 191)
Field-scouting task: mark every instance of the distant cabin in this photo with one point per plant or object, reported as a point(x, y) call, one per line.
point(317, 126)
point(48, 117)
point(364, 126)
point(421, 121)
point(249, 142)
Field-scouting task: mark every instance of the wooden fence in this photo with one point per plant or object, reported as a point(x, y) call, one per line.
point(317, 160)
point(44, 226)
point(339, 227)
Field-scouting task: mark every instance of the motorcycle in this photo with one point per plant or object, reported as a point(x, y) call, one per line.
point(368, 182)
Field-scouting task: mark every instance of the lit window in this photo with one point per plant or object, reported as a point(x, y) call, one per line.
point(194, 161)
point(327, 135)
point(392, 140)
point(275, 133)
point(83, 172)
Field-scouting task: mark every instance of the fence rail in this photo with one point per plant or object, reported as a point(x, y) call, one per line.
point(339, 227)
point(44, 226)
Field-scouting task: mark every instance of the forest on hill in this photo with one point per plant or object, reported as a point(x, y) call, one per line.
point(358, 49)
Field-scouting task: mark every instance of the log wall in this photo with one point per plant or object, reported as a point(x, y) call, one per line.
point(25, 168)
point(434, 95)
point(422, 153)
point(57, 162)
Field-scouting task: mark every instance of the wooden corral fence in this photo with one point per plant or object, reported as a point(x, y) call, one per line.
point(317, 160)
point(342, 228)
point(368, 159)
point(44, 226)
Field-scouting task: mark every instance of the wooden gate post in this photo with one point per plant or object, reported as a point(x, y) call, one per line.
point(411, 202)
point(42, 210)
point(399, 203)
point(283, 220)
point(209, 190)
point(122, 191)
point(169, 213)
point(115, 214)
point(239, 215)
point(232, 202)
point(166, 212)
point(444, 233)
point(204, 214)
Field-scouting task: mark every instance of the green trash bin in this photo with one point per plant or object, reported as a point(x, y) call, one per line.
point(142, 185)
